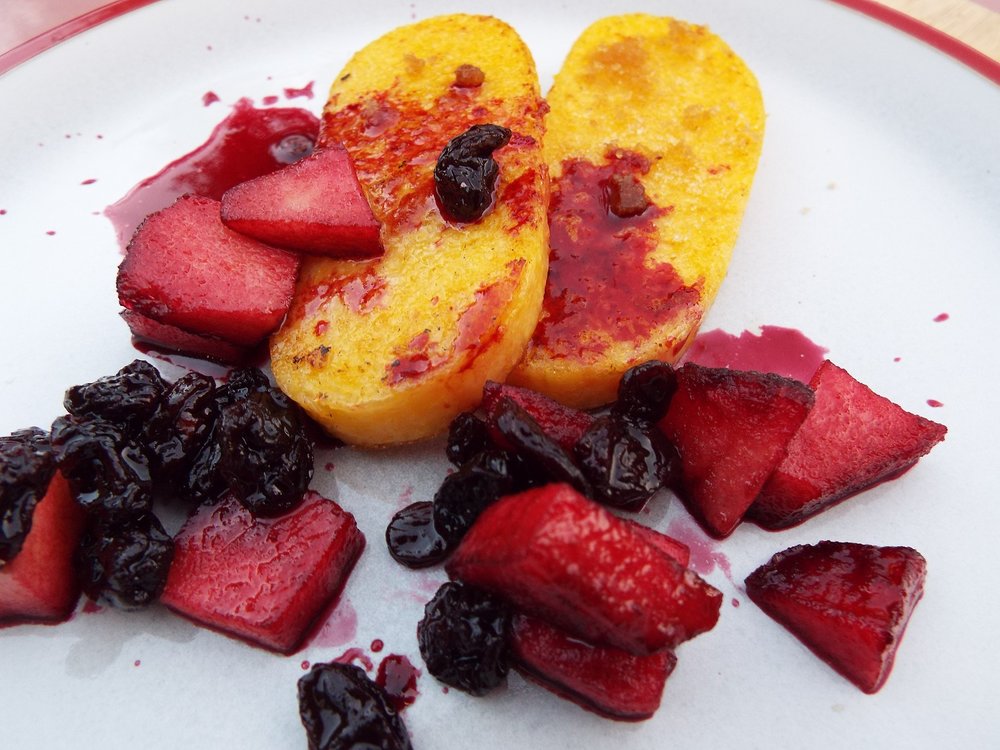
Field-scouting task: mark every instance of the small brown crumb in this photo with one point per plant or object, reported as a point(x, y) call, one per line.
point(626, 196)
point(469, 77)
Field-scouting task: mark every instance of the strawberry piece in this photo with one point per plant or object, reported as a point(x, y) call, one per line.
point(185, 268)
point(174, 339)
point(563, 424)
point(672, 548)
point(265, 580)
point(731, 428)
point(849, 603)
point(852, 439)
point(607, 681)
point(40, 584)
point(315, 205)
point(559, 556)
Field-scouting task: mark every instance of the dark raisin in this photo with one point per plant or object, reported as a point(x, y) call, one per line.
point(108, 471)
point(240, 384)
point(203, 482)
point(180, 426)
point(626, 196)
point(126, 398)
point(125, 565)
point(466, 173)
point(469, 76)
point(626, 462)
point(645, 391)
point(478, 483)
point(523, 435)
point(467, 436)
point(463, 638)
point(342, 709)
point(412, 539)
point(266, 458)
point(26, 468)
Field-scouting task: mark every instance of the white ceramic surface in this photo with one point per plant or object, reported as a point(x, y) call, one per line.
point(876, 207)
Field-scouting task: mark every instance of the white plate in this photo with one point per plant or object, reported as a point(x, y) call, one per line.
point(876, 207)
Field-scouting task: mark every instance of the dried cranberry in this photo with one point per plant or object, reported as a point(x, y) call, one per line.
point(266, 458)
point(125, 565)
point(466, 173)
point(26, 468)
point(645, 391)
point(521, 434)
point(180, 426)
point(342, 709)
point(127, 398)
point(626, 462)
point(626, 196)
point(107, 470)
point(412, 539)
point(479, 483)
point(469, 76)
point(463, 638)
point(467, 436)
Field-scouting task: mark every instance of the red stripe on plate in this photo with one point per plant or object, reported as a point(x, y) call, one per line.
point(978, 61)
point(65, 30)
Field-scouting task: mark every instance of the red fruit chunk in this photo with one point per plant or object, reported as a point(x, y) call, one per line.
point(672, 548)
point(562, 423)
point(559, 556)
point(174, 339)
point(848, 602)
point(185, 268)
point(607, 681)
point(731, 428)
point(40, 584)
point(852, 439)
point(315, 205)
point(265, 580)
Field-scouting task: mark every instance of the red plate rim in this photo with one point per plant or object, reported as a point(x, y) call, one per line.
point(970, 56)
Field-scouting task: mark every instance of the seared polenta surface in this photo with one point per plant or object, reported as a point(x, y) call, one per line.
point(668, 105)
point(390, 350)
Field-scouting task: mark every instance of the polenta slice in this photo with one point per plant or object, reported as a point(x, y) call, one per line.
point(390, 350)
point(652, 142)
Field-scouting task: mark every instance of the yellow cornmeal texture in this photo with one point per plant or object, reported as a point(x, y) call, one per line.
point(389, 351)
point(677, 94)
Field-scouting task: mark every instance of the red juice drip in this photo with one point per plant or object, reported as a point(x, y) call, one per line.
point(209, 97)
point(785, 351)
point(377, 645)
point(339, 628)
point(355, 655)
point(704, 557)
point(601, 287)
point(934, 402)
point(398, 677)
point(306, 91)
point(250, 142)
point(941, 317)
point(305, 664)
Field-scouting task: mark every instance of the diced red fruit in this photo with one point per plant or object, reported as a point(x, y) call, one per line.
point(263, 580)
point(556, 555)
point(186, 269)
point(608, 681)
point(672, 548)
point(315, 205)
point(731, 428)
point(562, 423)
point(852, 439)
point(173, 339)
point(849, 603)
point(40, 583)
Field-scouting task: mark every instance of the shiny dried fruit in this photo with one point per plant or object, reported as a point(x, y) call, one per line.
point(26, 468)
point(463, 638)
point(466, 173)
point(342, 709)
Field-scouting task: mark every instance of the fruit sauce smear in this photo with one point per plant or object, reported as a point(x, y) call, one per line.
point(248, 143)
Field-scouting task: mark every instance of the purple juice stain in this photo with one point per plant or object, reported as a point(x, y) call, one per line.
point(248, 143)
point(785, 351)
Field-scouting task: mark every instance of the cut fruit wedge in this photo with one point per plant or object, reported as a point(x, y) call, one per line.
point(652, 142)
point(390, 350)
